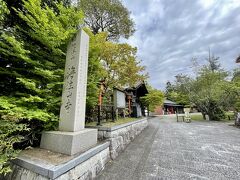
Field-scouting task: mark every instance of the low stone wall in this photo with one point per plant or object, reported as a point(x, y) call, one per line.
point(40, 164)
point(86, 166)
point(120, 136)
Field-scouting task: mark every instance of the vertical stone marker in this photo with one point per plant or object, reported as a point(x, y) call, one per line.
point(72, 137)
point(72, 114)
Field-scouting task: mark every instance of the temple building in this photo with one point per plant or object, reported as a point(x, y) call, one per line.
point(169, 107)
point(133, 95)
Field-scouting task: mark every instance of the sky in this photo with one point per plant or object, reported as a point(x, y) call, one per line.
point(169, 33)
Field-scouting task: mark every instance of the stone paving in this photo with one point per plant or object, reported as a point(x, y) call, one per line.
point(170, 150)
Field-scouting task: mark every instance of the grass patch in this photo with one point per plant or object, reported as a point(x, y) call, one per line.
point(230, 114)
point(110, 123)
point(199, 117)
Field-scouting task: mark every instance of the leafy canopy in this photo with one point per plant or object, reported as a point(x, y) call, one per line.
point(107, 16)
point(153, 99)
point(209, 91)
point(32, 56)
point(33, 42)
point(121, 65)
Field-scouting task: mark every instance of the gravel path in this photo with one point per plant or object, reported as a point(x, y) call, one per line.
point(170, 150)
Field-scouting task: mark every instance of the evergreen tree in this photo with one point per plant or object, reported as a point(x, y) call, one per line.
point(32, 56)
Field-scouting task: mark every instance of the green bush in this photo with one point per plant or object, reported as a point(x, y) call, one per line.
point(9, 135)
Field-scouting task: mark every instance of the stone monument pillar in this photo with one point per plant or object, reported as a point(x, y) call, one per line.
point(72, 137)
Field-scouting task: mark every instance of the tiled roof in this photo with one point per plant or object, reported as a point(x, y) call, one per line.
point(169, 102)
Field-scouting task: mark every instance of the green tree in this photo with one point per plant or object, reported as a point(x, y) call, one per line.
point(236, 75)
point(3, 11)
point(122, 69)
point(107, 16)
point(235, 90)
point(32, 56)
point(213, 62)
point(95, 69)
point(33, 42)
point(207, 92)
point(169, 89)
point(153, 99)
point(179, 97)
point(115, 63)
point(176, 92)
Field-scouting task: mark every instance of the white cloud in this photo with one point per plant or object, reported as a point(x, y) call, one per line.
point(207, 3)
point(170, 33)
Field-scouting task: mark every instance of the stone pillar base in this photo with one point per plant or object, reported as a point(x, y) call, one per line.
point(69, 143)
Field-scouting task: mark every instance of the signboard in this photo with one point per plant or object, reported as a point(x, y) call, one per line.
point(119, 99)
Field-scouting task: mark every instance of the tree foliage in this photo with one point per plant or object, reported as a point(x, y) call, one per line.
point(114, 63)
point(122, 69)
point(32, 56)
point(107, 16)
point(3, 11)
point(95, 69)
point(209, 91)
point(10, 134)
point(213, 62)
point(235, 90)
point(153, 99)
point(33, 39)
point(176, 92)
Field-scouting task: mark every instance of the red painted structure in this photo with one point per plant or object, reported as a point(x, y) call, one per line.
point(169, 107)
